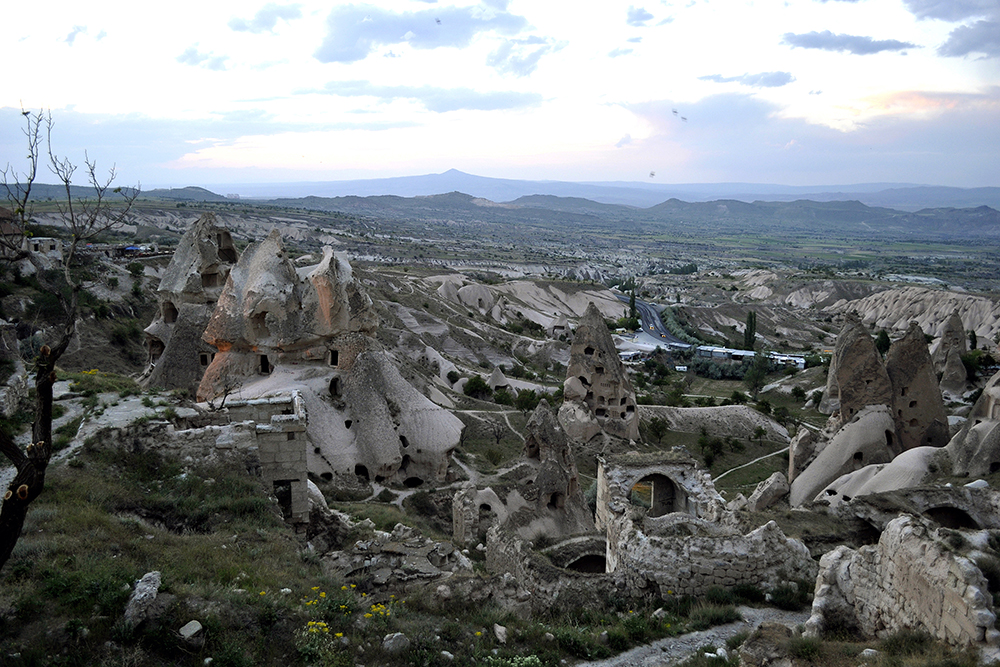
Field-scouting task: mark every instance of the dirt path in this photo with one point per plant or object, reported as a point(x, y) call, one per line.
point(676, 649)
point(750, 463)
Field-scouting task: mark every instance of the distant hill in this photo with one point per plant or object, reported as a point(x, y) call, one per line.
point(903, 196)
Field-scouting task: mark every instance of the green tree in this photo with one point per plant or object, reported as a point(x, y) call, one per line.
point(750, 332)
point(756, 376)
point(658, 428)
point(526, 400)
point(631, 303)
point(476, 387)
point(973, 340)
point(882, 342)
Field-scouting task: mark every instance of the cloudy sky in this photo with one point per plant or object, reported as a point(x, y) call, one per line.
point(799, 92)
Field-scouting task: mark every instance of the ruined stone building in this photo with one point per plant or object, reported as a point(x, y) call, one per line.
point(187, 295)
point(597, 394)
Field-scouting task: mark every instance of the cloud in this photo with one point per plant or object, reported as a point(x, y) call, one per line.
point(924, 137)
point(980, 37)
point(760, 80)
point(520, 56)
point(192, 56)
point(354, 31)
point(77, 30)
point(634, 40)
point(266, 18)
point(638, 16)
point(619, 52)
point(438, 100)
point(951, 10)
point(624, 141)
point(828, 41)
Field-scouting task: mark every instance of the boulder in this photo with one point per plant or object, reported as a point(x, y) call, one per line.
point(768, 492)
point(142, 598)
point(917, 408)
point(395, 643)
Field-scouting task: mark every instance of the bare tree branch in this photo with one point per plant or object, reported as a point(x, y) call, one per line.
point(84, 218)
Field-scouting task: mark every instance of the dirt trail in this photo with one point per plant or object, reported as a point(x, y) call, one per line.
point(674, 650)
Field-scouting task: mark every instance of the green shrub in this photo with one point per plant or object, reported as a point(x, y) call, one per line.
point(804, 648)
point(705, 615)
point(906, 642)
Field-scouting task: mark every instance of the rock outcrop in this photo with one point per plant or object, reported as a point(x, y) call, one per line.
point(948, 357)
point(894, 309)
point(597, 390)
point(917, 407)
point(188, 292)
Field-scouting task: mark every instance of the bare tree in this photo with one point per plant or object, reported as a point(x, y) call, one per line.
point(496, 429)
point(84, 218)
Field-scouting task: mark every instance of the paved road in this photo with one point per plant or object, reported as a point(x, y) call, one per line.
point(651, 322)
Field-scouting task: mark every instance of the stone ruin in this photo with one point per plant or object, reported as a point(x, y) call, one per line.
point(661, 529)
point(910, 580)
point(685, 542)
point(188, 292)
point(879, 411)
point(547, 500)
point(597, 394)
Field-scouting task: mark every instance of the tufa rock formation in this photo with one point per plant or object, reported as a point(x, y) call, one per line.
point(867, 439)
point(948, 357)
point(857, 377)
point(267, 315)
point(975, 450)
point(278, 328)
point(188, 292)
point(917, 407)
point(597, 393)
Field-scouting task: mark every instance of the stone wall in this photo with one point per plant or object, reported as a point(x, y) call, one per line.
point(909, 580)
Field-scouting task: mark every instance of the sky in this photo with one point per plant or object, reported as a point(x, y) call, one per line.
point(796, 92)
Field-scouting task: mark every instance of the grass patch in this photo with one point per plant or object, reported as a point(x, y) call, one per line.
point(93, 382)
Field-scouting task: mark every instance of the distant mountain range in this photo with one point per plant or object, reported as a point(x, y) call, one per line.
point(902, 196)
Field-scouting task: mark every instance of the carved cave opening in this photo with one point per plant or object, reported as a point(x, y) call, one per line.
point(589, 563)
point(659, 494)
point(952, 517)
point(169, 312)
